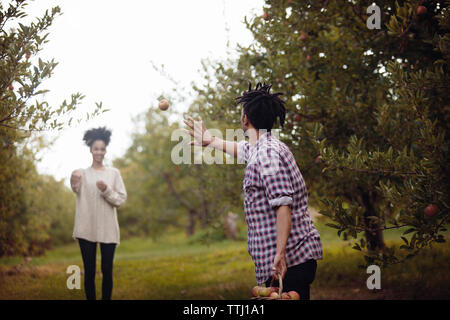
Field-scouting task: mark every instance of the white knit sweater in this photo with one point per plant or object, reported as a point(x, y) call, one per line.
point(96, 214)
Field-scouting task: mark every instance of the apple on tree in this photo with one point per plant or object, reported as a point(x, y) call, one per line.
point(431, 210)
point(302, 36)
point(421, 10)
point(318, 159)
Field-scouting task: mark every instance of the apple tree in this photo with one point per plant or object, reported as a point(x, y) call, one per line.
point(368, 112)
point(23, 112)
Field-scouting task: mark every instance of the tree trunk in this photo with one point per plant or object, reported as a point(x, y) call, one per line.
point(374, 235)
point(191, 224)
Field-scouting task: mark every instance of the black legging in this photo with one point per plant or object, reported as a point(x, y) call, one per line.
point(298, 278)
point(89, 254)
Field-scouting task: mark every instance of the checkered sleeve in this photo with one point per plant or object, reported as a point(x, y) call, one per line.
point(242, 152)
point(276, 179)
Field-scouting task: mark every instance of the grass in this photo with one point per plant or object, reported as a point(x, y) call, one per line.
point(172, 268)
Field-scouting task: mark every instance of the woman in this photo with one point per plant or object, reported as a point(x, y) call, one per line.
point(100, 190)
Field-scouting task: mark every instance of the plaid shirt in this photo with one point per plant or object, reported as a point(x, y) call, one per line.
point(272, 178)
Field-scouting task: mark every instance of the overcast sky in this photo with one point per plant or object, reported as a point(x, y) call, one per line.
point(105, 50)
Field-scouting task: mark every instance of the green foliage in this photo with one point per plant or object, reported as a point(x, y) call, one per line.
point(37, 211)
point(374, 111)
point(163, 194)
point(20, 78)
point(25, 216)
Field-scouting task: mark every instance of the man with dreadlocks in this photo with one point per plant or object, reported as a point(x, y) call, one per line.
point(282, 239)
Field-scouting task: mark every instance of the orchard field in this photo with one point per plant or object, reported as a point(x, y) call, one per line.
point(175, 268)
point(365, 111)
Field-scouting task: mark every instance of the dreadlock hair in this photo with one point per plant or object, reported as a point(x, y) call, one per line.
point(97, 134)
point(262, 107)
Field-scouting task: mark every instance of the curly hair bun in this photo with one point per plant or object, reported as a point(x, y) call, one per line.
point(97, 134)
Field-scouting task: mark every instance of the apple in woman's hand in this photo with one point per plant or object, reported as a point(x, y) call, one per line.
point(101, 185)
point(76, 176)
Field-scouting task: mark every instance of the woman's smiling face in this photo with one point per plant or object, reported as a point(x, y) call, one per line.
point(98, 150)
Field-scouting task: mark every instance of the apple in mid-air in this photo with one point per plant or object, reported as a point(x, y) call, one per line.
point(163, 105)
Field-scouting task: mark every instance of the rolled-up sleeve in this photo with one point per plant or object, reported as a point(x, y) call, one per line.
point(276, 180)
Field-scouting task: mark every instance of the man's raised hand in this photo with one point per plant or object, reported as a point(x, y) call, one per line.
point(201, 135)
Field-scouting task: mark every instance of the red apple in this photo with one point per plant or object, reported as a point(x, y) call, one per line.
point(297, 117)
point(308, 57)
point(255, 291)
point(285, 296)
point(163, 105)
point(294, 295)
point(431, 210)
point(11, 87)
point(274, 295)
point(302, 36)
point(318, 159)
point(421, 10)
point(264, 292)
point(274, 289)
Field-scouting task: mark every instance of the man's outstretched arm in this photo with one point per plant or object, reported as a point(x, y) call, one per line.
point(202, 137)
